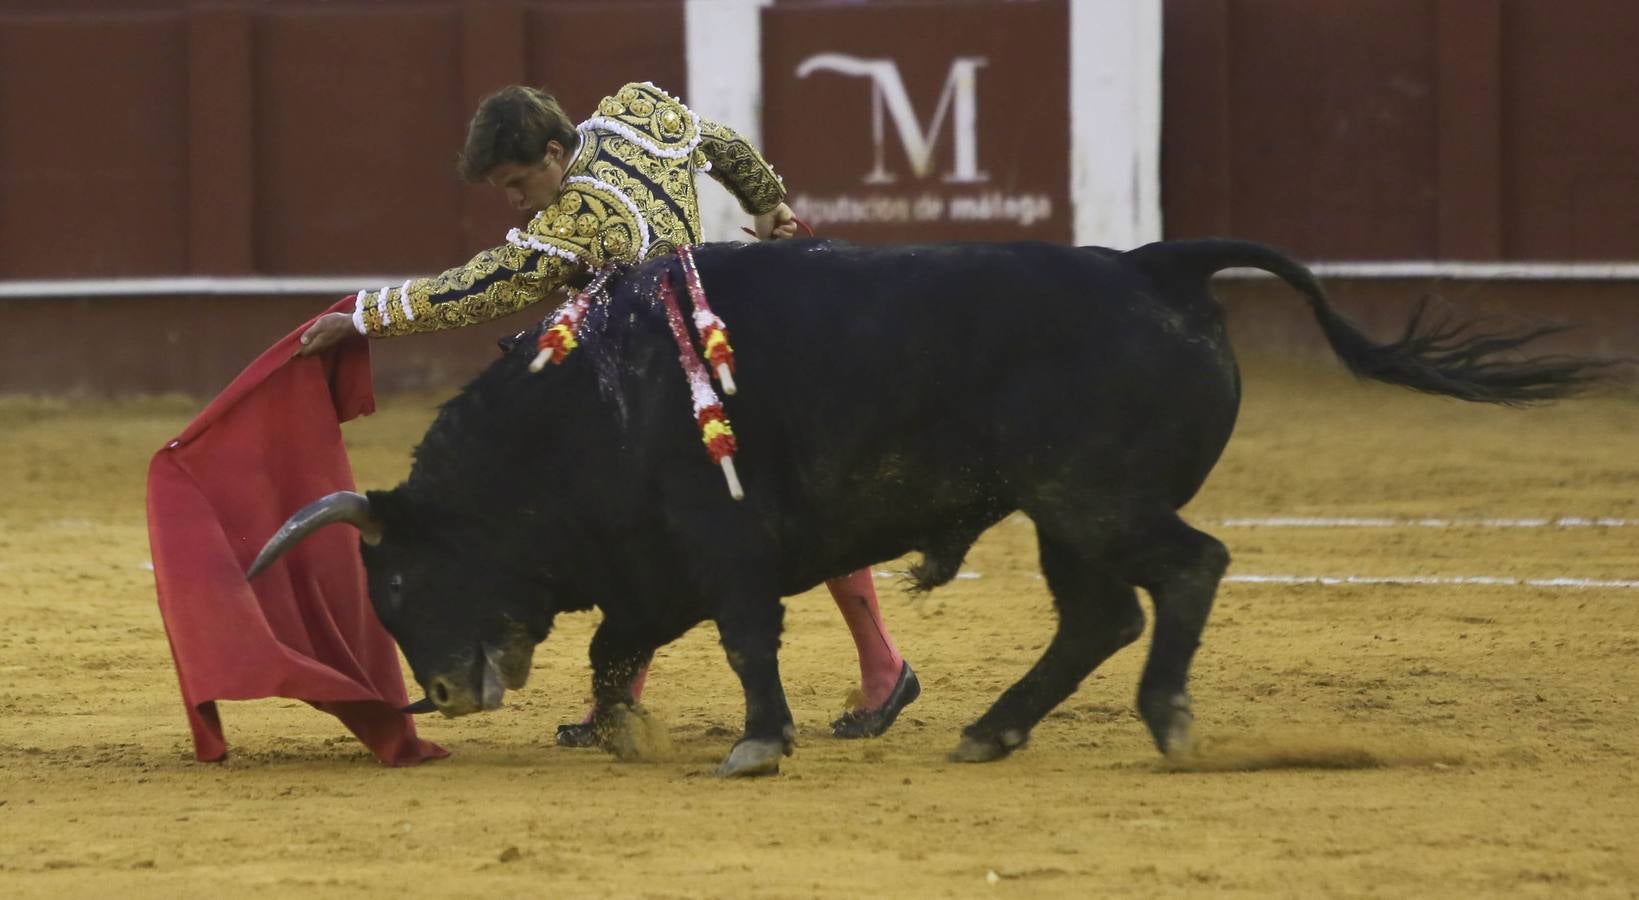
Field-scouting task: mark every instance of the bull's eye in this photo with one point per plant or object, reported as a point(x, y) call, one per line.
point(395, 592)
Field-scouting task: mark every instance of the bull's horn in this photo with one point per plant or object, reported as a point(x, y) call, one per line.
point(424, 705)
point(342, 506)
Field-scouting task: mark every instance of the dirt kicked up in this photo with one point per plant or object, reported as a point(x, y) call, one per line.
point(1438, 726)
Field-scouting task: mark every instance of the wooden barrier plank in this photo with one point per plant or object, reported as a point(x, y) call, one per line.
point(221, 143)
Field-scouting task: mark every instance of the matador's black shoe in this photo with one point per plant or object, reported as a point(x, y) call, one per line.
point(580, 734)
point(864, 723)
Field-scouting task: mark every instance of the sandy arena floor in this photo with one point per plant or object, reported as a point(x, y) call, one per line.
point(1363, 740)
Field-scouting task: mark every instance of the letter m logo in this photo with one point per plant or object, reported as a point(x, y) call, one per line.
point(960, 94)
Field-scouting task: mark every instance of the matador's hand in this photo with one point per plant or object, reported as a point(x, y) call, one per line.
point(777, 223)
point(330, 330)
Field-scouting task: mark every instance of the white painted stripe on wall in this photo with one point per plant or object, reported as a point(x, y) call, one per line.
point(337, 285)
point(723, 41)
point(1115, 121)
point(729, 223)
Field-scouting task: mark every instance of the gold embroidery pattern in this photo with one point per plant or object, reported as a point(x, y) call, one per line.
point(516, 288)
point(739, 167)
point(603, 226)
point(649, 190)
point(647, 110)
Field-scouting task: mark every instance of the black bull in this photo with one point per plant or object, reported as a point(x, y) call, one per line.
point(891, 399)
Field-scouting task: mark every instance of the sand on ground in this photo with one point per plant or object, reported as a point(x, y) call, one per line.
point(1358, 739)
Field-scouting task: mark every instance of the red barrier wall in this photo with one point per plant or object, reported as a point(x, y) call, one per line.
point(141, 137)
point(1405, 129)
point(170, 137)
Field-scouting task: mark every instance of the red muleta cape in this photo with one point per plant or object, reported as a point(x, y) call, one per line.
point(266, 446)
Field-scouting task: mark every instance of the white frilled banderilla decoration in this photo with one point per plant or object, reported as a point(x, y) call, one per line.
point(713, 333)
point(561, 337)
point(715, 431)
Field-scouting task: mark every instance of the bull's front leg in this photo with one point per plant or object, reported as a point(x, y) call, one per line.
point(750, 633)
point(617, 658)
point(735, 578)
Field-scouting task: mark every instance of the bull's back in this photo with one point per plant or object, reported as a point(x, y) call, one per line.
point(884, 390)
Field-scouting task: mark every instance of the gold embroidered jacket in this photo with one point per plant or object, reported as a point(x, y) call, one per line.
point(628, 194)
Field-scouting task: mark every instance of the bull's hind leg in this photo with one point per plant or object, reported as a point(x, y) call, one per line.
point(1098, 615)
point(1180, 568)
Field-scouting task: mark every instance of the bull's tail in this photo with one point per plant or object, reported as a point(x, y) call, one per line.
point(1434, 354)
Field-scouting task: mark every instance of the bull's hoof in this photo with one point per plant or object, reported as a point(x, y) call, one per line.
point(1171, 721)
point(632, 733)
point(629, 732)
point(581, 734)
point(977, 749)
point(752, 757)
point(1180, 737)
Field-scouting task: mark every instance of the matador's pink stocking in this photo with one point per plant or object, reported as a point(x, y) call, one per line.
point(879, 660)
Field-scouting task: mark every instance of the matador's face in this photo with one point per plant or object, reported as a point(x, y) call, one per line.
point(531, 187)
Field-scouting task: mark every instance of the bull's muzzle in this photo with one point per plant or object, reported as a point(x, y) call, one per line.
point(459, 696)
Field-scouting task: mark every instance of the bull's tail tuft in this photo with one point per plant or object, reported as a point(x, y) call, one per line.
point(1436, 354)
point(1442, 355)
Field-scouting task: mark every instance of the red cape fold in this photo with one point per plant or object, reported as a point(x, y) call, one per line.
point(266, 446)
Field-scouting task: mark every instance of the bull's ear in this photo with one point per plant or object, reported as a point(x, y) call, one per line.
point(392, 515)
point(373, 526)
point(372, 529)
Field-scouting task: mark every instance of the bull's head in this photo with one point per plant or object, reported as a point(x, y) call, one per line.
point(467, 627)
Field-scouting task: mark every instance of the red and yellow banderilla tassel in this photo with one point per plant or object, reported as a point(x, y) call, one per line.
point(558, 340)
point(715, 431)
point(718, 435)
point(555, 343)
point(713, 333)
point(718, 351)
